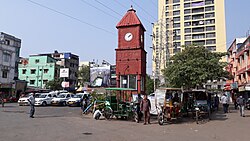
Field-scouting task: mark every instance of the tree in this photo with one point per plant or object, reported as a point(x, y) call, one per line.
point(194, 66)
point(149, 85)
point(54, 84)
point(84, 74)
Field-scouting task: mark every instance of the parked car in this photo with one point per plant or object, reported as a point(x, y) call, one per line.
point(44, 99)
point(61, 99)
point(23, 101)
point(248, 104)
point(75, 100)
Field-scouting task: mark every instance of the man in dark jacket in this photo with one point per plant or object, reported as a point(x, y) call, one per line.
point(241, 102)
point(145, 107)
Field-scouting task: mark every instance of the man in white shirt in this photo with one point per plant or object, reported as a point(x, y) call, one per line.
point(224, 101)
point(31, 100)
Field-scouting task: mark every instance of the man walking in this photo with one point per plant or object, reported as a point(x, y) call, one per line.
point(224, 101)
point(145, 107)
point(31, 100)
point(241, 102)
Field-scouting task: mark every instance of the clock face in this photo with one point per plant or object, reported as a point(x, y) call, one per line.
point(128, 36)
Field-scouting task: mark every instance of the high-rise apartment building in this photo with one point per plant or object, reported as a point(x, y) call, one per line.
point(186, 22)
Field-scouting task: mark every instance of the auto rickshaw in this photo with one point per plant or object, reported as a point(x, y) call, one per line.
point(119, 104)
point(198, 103)
point(168, 104)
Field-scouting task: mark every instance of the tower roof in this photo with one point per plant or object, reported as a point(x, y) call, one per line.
point(130, 19)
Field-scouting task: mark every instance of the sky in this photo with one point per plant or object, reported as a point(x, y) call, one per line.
point(87, 28)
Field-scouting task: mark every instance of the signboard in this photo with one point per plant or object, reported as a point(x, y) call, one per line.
point(64, 72)
point(99, 76)
point(65, 84)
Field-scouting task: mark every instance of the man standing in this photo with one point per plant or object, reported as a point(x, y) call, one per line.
point(216, 102)
point(241, 102)
point(224, 101)
point(31, 100)
point(145, 107)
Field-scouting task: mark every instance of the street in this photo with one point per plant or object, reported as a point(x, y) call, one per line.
point(67, 124)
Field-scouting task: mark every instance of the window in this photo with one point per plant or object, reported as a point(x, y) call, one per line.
point(199, 42)
point(4, 73)
point(213, 41)
point(210, 35)
point(197, 23)
point(24, 71)
point(210, 28)
point(186, 5)
point(187, 37)
point(176, 25)
point(194, 4)
point(200, 16)
point(187, 18)
point(187, 11)
point(128, 81)
point(209, 2)
point(199, 36)
point(6, 57)
point(32, 82)
point(209, 15)
point(198, 10)
point(132, 81)
point(175, 50)
point(176, 1)
point(37, 61)
point(177, 6)
point(187, 24)
point(211, 48)
point(7, 42)
point(200, 29)
point(177, 37)
point(176, 19)
point(210, 21)
point(176, 12)
point(32, 71)
point(210, 8)
point(45, 70)
point(188, 43)
point(187, 30)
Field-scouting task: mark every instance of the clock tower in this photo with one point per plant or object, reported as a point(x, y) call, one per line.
point(130, 54)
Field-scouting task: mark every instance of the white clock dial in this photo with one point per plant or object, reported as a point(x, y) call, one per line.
point(128, 36)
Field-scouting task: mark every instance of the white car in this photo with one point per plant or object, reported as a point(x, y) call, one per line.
point(23, 101)
point(75, 100)
point(44, 99)
point(61, 99)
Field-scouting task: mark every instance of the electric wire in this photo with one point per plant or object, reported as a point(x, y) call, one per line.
point(71, 17)
point(143, 9)
point(108, 8)
point(99, 9)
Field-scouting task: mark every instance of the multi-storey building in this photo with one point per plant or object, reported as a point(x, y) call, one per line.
point(37, 70)
point(185, 22)
point(9, 57)
point(239, 65)
point(67, 60)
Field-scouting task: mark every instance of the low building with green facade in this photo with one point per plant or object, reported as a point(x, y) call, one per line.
point(37, 70)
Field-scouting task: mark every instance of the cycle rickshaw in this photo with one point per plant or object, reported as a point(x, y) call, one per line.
point(168, 104)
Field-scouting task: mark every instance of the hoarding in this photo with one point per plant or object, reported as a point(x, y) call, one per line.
point(64, 72)
point(100, 76)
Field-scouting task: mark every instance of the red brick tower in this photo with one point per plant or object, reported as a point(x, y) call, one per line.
point(130, 54)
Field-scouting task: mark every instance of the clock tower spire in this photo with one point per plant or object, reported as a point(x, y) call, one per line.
point(130, 54)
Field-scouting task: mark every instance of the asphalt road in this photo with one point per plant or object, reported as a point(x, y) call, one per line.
point(67, 124)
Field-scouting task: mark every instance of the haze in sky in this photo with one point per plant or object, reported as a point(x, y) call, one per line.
point(87, 28)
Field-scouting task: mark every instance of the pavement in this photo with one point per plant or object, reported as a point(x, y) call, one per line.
point(67, 124)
